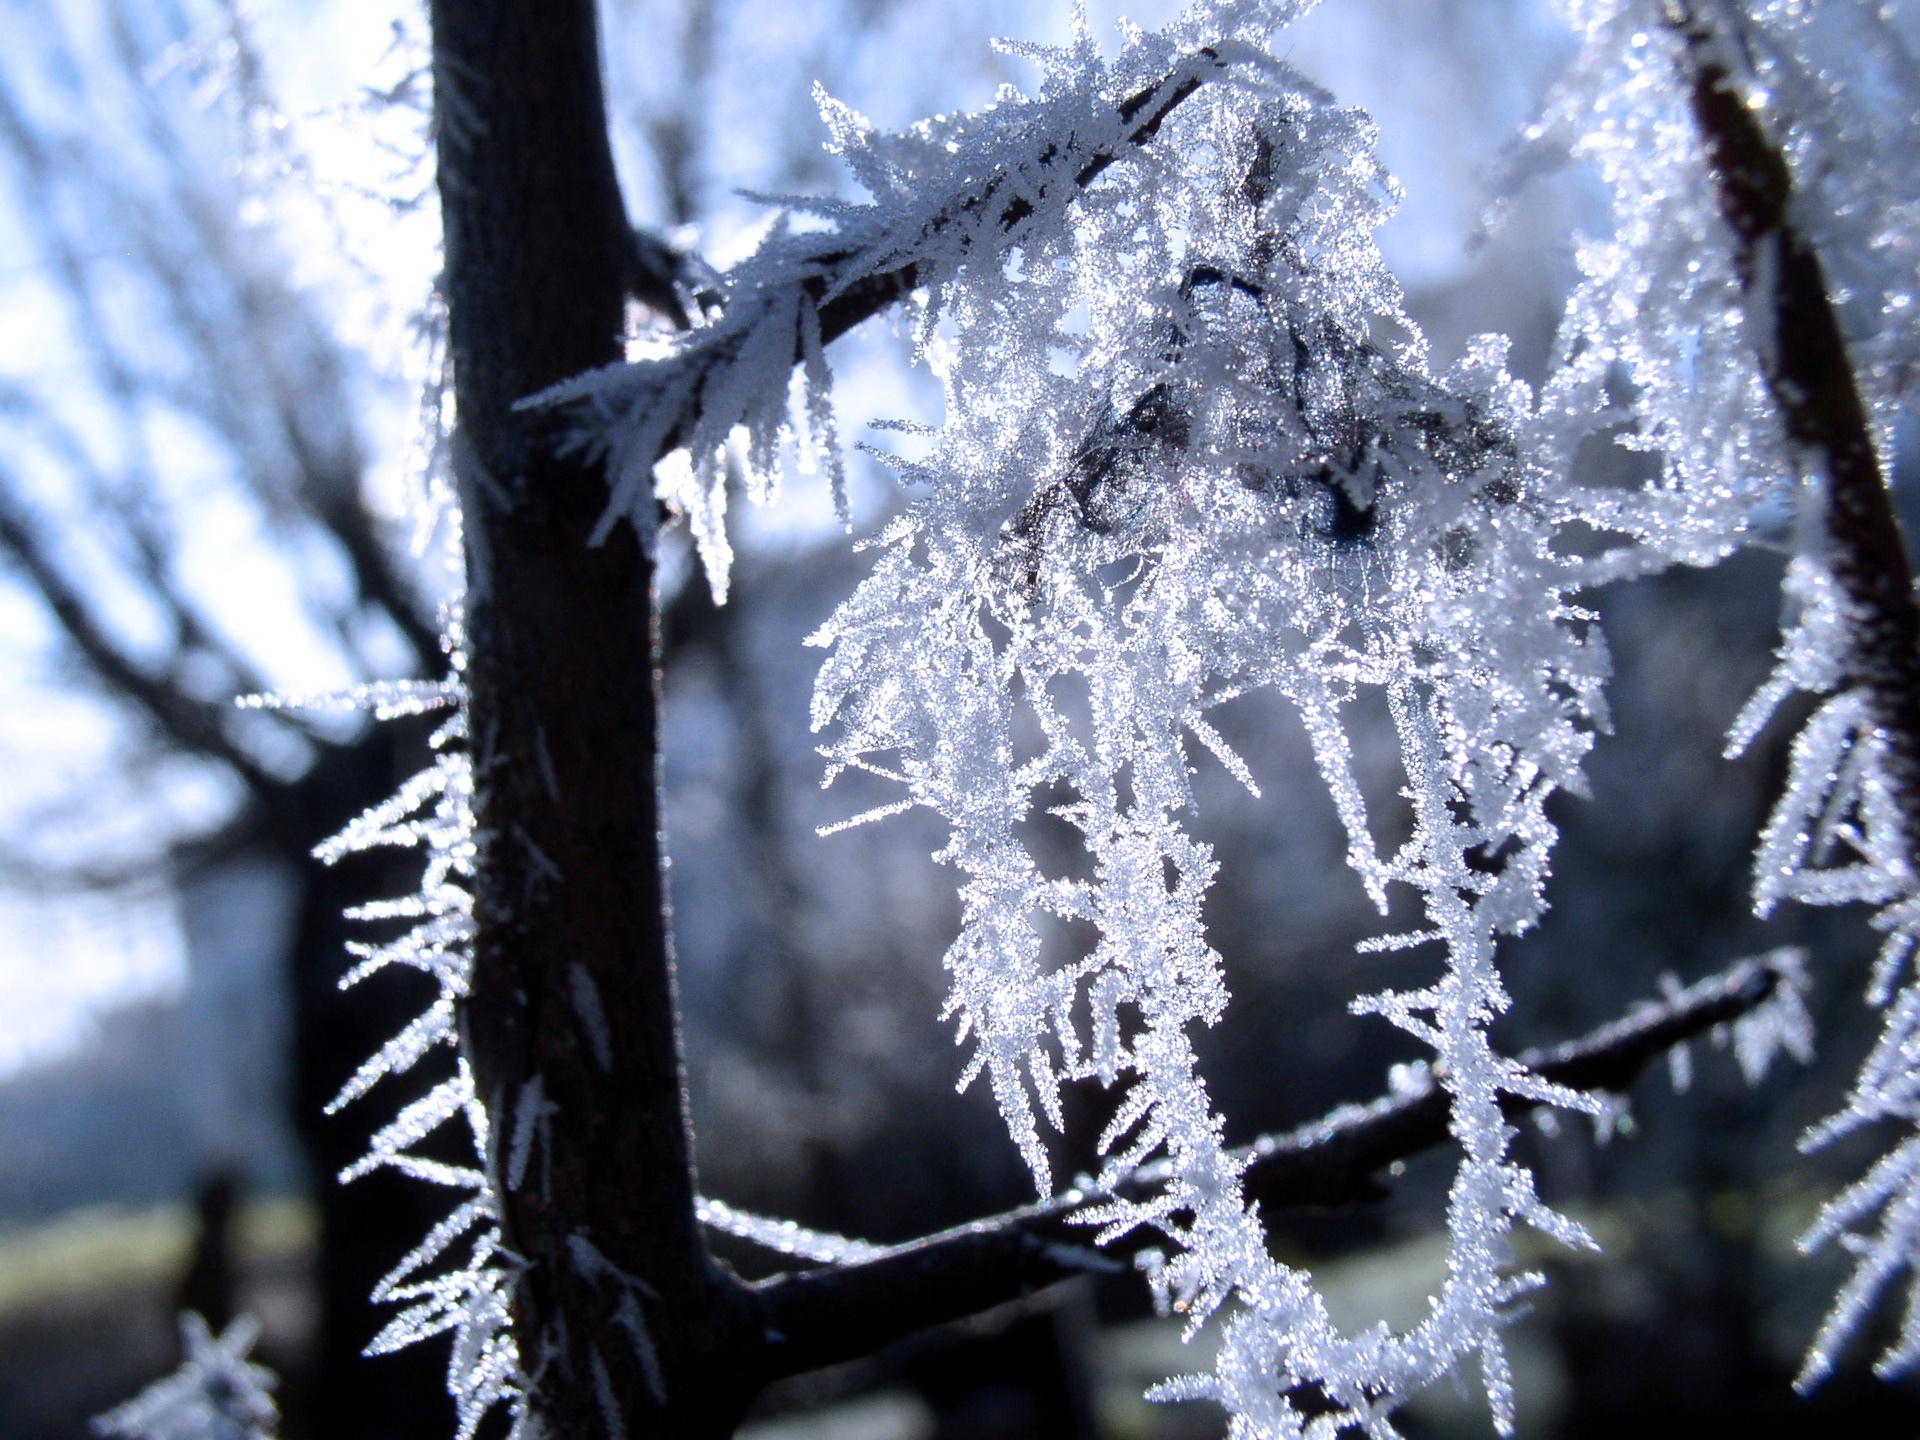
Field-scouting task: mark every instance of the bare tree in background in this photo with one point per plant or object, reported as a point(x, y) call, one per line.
point(192, 415)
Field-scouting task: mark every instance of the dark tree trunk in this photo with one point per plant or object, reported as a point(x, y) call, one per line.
point(619, 1309)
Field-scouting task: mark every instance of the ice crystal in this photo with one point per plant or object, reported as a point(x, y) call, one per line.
point(431, 812)
point(216, 1394)
point(1238, 480)
point(1658, 311)
point(1781, 1023)
point(951, 199)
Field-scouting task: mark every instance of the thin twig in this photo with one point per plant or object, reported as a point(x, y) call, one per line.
point(867, 298)
point(822, 1316)
point(1803, 357)
point(842, 303)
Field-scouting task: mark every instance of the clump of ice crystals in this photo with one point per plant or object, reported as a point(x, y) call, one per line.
point(1182, 462)
point(458, 1279)
point(1185, 458)
point(216, 1394)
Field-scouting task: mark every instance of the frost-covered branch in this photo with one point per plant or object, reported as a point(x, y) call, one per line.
point(822, 1316)
point(1803, 355)
point(1812, 230)
point(1141, 114)
point(963, 200)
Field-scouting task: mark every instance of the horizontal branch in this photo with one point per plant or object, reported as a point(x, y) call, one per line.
point(820, 1317)
point(854, 304)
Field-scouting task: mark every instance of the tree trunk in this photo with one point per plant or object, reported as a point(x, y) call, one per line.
point(570, 1027)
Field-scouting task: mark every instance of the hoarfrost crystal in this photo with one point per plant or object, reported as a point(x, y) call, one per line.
point(216, 1394)
point(1194, 448)
point(1838, 88)
point(1236, 485)
point(432, 813)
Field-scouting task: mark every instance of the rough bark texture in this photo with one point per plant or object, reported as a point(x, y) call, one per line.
point(619, 1311)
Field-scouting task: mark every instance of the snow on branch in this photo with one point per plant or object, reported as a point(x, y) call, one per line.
point(1793, 325)
point(1771, 224)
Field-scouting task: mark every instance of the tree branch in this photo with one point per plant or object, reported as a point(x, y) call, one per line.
point(1803, 357)
point(868, 297)
point(824, 1316)
point(832, 282)
point(196, 725)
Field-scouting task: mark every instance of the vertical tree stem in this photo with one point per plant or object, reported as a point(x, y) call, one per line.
point(1811, 379)
point(622, 1320)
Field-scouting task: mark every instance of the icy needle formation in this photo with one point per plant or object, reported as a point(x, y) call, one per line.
point(217, 1394)
point(433, 813)
point(1194, 448)
point(1180, 463)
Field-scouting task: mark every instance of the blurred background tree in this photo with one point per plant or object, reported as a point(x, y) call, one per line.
point(204, 467)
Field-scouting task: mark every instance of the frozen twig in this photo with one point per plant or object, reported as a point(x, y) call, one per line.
point(1813, 384)
point(821, 1316)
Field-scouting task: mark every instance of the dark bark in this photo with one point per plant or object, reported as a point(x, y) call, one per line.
point(1803, 357)
point(629, 1325)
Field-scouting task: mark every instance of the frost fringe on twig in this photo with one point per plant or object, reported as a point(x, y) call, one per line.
point(1777, 279)
point(1179, 466)
point(432, 813)
point(1184, 459)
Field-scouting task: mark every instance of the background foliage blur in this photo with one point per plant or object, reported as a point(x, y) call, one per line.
point(208, 381)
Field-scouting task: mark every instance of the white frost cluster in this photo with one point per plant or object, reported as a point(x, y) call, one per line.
point(1184, 460)
point(432, 813)
point(1836, 837)
point(1654, 347)
point(216, 1394)
point(1193, 448)
point(948, 197)
point(785, 1237)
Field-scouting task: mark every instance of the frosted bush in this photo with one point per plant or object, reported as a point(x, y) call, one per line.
point(1185, 459)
